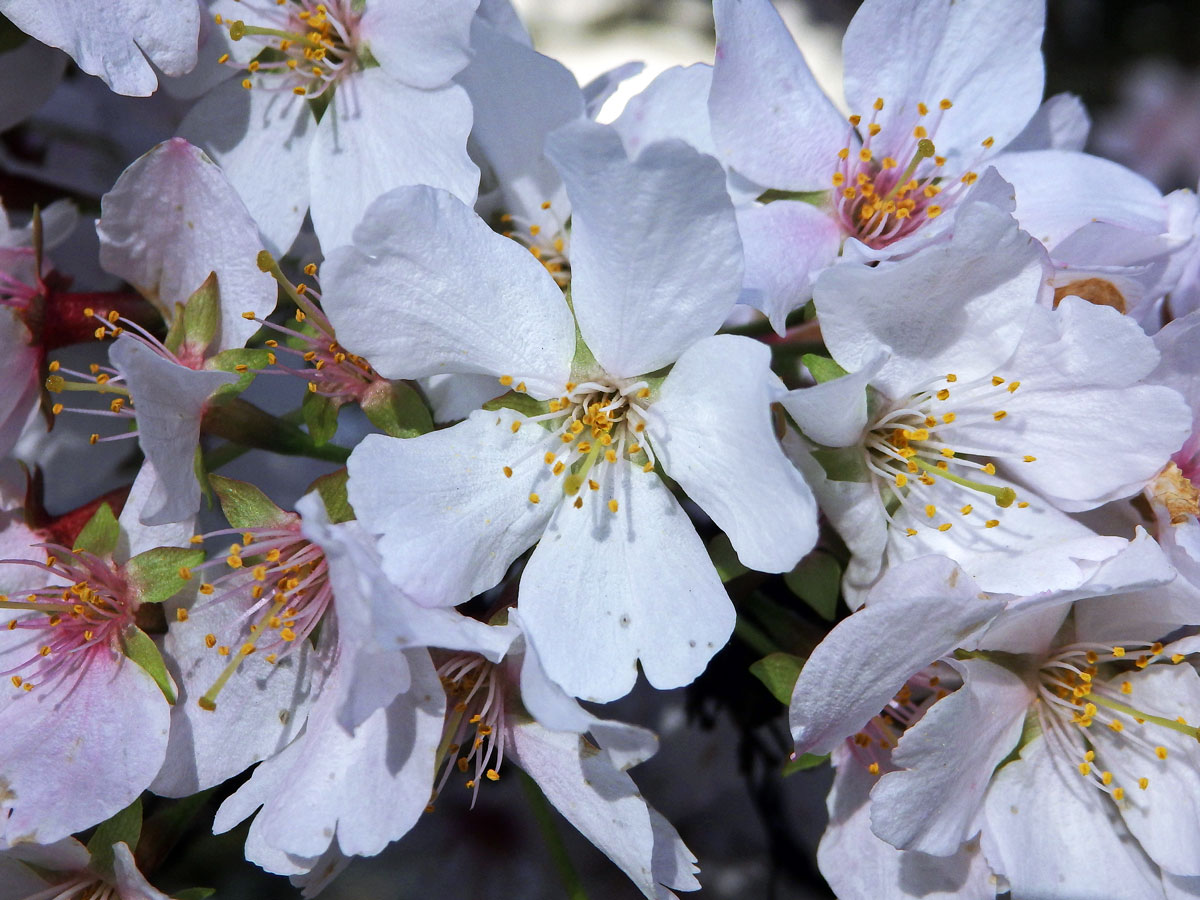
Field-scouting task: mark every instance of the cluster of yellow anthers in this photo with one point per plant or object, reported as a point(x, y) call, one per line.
point(97, 379)
point(474, 731)
point(286, 577)
point(878, 202)
point(905, 451)
point(313, 43)
point(1082, 685)
point(548, 247)
point(598, 422)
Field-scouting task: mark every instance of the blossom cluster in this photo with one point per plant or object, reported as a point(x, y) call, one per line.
point(924, 366)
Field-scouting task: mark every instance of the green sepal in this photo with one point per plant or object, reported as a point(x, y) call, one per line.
point(245, 506)
point(154, 575)
point(816, 198)
point(517, 402)
point(196, 893)
point(778, 672)
point(396, 409)
point(101, 533)
point(123, 828)
point(803, 762)
point(822, 367)
point(1031, 728)
point(725, 559)
point(332, 490)
point(817, 581)
point(843, 463)
point(252, 359)
point(198, 319)
point(320, 416)
point(141, 649)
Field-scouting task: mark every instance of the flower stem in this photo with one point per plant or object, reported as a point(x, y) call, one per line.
point(540, 808)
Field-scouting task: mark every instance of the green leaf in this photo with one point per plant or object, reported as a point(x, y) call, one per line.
point(196, 893)
point(321, 416)
point(157, 575)
point(242, 361)
point(141, 649)
point(816, 198)
point(245, 506)
point(804, 761)
point(822, 367)
point(817, 580)
point(725, 558)
point(778, 672)
point(843, 463)
point(332, 490)
point(123, 828)
point(397, 410)
point(100, 534)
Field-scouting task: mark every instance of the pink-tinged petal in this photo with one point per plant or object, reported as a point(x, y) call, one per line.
point(604, 804)
point(988, 277)
point(1179, 364)
point(656, 263)
point(130, 883)
point(787, 244)
point(770, 120)
point(135, 537)
point(77, 752)
point(673, 105)
point(934, 802)
point(380, 134)
point(170, 401)
point(834, 413)
point(110, 42)
point(712, 430)
point(1037, 810)
point(603, 590)
point(261, 141)
point(419, 43)
point(909, 53)
point(918, 612)
point(429, 289)
point(448, 519)
point(519, 96)
point(859, 866)
point(170, 220)
point(22, 384)
point(362, 790)
point(1162, 816)
point(1061, 123)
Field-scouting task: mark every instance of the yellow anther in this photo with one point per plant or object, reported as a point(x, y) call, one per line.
point(991, 523)
point(516, 426)
point(901, 480)
point(945, 104)
point(1118, 652)
point(534, 498)
point(873, 768)
point(506, 380)
point(966, 510)
point(1106, 778)
point(610, 456)
point(943, 394)
point(206, 588)
point(1085, 769)
point(1143, 783)
point(933, 212)
point(1177, 658)
point(838, 179)
point(878, 105)
point(612, 506)
point(287, 634)
point(930, 510)
point(1012, 386)
point(843, 153)
point(1118, 793)
point(558, 467)
point(990, 468)
point(1126, 687)
point(864, 154)
point(246, 83)
point(949, 417)
point(1160, 752)
point(947, 452)
point(945, 526)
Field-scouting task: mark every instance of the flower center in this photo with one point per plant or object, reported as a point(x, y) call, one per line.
point(284, 578)
point(1083, 685)
point(307, 46)
point(69, 622)
point(895, 181)
point(591, 426)
point(473, 739)
point(909, 448)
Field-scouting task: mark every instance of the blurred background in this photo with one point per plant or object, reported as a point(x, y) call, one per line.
point(717, 777)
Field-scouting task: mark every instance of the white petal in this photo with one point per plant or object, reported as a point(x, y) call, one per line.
point(454, 397)
point(422, 44)
point(603, 803)
point(770, 120)
point(918, 612)
point(988, 278)
point(603, 590)
point(136, 537)
point(450, 522)
point(834, 413)
point(673, 105)
point(261, 141)
point(170, 401)
point(380, 134)
point(170, 220)
point(1061, 123)
point(925, 52)
point(711, 428)
point(597, 91)
point(656, 262)
point(429, 289)
point(1052, 834)
point(946, 760)
point(131, 884)
point(22, 383)
point(110, 42)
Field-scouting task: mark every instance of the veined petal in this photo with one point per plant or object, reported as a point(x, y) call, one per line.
point(422, 44)
point(656, 263)
point(917, 613)
point(380, 134)
point(449, 520)
point(429, 289)
point(603, 590)
point(770, 120)
point(170, 220)
point(711, 428)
